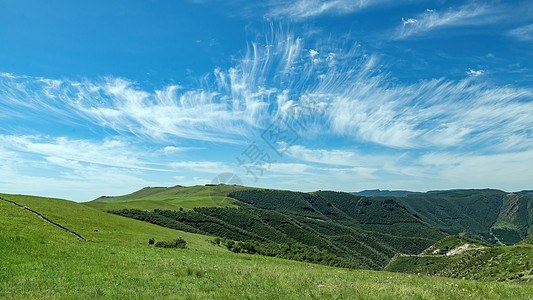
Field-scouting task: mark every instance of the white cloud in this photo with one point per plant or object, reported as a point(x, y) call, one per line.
point(409, 21)
point(235, 105)
point(174, 149)
point(303, 9)
point(82, 170)
point(474, 72)
point(202, 166)
point(24, 174)
point(524, 33)
point(69, 153)
point(322, 156)
point(471, 14)
point(66, 163)
point(434, 113)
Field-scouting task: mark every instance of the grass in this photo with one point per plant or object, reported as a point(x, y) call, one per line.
point(172, 198)
point(40, 260)
point(95, 226)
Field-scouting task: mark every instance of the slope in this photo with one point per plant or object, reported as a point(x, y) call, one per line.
point(488, 215)
point(172, 198)
point(526, 241)
point(515, 221)
point(98, 227)
point(41, 261)
point(366, 232)
point(470, 260)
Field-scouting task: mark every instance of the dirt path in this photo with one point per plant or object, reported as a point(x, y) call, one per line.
point(44, 218)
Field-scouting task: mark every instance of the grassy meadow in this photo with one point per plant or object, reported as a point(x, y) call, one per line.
point(171, 198)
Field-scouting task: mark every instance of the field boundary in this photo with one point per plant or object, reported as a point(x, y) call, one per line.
point(44, 218)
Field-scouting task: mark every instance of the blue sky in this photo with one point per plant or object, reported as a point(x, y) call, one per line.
point(106, 97)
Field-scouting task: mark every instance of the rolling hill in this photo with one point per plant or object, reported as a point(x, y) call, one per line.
point(492, 216)
point(172, 198)
point(366, 232)
point(93, 225)
point(41, 260)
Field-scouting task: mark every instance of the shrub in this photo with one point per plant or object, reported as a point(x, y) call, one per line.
point(151, 241)
point(177, 243)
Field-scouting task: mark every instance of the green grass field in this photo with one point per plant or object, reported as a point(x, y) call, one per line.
point(171, 198)
point(40, 260)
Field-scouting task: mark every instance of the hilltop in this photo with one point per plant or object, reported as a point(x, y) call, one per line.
point(384, 193)
point(172, 198)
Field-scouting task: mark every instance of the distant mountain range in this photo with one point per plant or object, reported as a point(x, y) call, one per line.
point(384, 193)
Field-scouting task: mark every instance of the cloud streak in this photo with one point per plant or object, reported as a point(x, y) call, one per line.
point(304, 9)
point(430, 20)
point(524, 33)
point(350, 87)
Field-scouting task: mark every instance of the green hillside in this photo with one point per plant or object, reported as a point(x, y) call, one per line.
point(41, 260)
point(488, 215)
point(515, 221)
point(366, 232)
point(94, 226)
point(458, 257)
point(171, 198)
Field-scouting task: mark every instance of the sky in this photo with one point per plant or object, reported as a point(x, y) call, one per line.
point(107, 97)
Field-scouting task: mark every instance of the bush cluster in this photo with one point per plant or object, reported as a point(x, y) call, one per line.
point(177, 243)
point(293, 251)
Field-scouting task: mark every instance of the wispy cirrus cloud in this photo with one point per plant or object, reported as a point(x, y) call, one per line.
point(304, 9)
point(323, 156)
point(72, 153)
point(120, 105)
point(202, 166)
point(524, 33)
point(470, 14)
point(351, 88)
point(84, 169)
point(53, 167)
